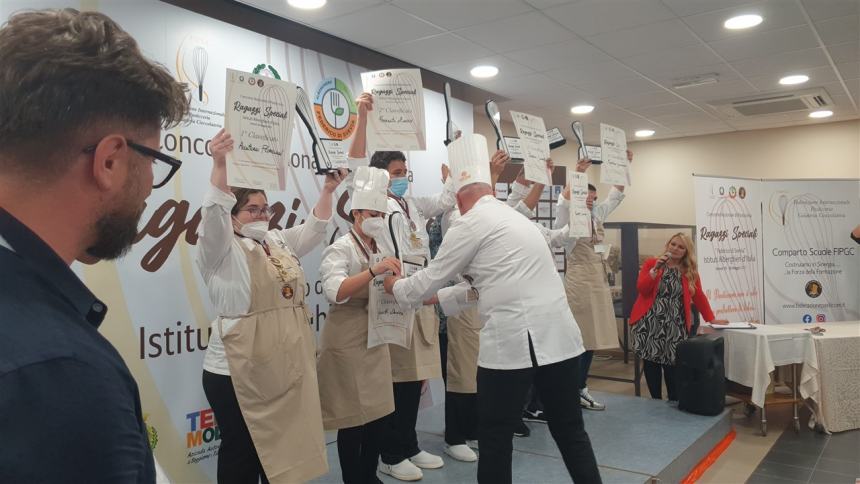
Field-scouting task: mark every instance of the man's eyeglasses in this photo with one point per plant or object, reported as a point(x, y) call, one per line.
point(256, 212)
point(161, 172)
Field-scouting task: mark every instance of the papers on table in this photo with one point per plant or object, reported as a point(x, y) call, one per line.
point(580, 217)
point(533, 140)
point(613, 150)
point(735, 325)
point(259, 115)
point(397, 119)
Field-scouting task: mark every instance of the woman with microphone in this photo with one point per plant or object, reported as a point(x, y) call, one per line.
point(661, 317)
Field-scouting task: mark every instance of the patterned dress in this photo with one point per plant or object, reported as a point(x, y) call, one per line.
point(657, 334)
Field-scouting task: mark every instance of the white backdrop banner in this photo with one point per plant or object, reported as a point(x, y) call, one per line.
point(812, 266)
point(160, 313)
point(728, 234)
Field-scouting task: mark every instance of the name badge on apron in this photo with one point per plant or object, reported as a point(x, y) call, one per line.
point(602, 249)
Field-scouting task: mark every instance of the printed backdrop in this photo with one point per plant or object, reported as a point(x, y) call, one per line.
point(160, 313)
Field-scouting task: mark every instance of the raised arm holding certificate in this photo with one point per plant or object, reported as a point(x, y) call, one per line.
point(397, 120)
point(535, 146)
point(580, 216)
point(259, 114)
point(613, 149)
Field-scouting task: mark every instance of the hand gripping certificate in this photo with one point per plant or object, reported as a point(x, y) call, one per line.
point(397, 119)
point(580, 216)
point(534, 145)
point(613, 150)
point(259, 115)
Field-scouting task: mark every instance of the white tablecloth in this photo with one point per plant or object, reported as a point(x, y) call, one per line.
point(838, 395)
point(752, 354)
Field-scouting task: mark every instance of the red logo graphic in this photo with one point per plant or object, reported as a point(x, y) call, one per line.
point(820, 318)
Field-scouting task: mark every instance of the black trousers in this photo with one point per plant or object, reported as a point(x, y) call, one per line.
point(501, 395)
point(585, 360)
point(238, 462)
point(461, 417)
point(401, 440)
point(358, 451)
point(653, 378)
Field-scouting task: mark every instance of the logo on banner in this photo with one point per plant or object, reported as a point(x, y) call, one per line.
point(335, 110)
point(192, 65)
point(820, 318)
point(807, 318)
point(813, 289)
point(203, 435)
point(742, 192)
point(266, 70)
point(151, 432)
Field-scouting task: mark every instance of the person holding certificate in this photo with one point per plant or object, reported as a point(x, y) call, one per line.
point(259, 372)
point(586, 281)
point(355, 381)
point(661, 316)
point(410, 367)
point(529, 334)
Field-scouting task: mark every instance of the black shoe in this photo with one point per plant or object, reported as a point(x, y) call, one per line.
point(522, 430)
point(534, 416)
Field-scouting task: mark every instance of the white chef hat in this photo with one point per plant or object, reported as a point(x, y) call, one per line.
point(470, 161)
point(370, 189)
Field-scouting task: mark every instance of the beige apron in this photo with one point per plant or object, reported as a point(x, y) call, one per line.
point(421, 361)
point(463, 342)
point(588, 294)
point(272, 357)
point(355, 382)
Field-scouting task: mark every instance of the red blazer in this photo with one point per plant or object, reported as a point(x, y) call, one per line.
point(647, 288)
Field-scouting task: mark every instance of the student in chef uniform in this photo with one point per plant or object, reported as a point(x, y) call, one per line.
point(410, 367)
point(586, 281)
point(259, 372)
point(355, 381)
point(529, 334)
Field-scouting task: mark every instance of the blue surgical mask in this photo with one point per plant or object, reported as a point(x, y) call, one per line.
point(399, 185)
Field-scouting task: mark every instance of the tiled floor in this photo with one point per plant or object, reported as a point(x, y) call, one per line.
point(811, 458)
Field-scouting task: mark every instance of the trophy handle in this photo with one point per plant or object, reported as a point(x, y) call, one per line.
point(576, 126)
point(449, 125)
point(321, 161)
point(492, 110)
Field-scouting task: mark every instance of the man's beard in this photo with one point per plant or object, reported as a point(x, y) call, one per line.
point(116, 231)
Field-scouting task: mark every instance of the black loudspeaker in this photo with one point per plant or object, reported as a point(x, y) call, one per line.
point(701, 376)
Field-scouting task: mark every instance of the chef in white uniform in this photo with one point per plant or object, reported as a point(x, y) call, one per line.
point(529, 334)
point(355, 381)
point(586, 281)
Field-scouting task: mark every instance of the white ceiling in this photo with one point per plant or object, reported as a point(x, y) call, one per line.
point(622, 56)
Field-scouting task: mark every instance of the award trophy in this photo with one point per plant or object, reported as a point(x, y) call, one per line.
point(576, 126)
point(450, 132)
point(321, 162)
point(492, 110)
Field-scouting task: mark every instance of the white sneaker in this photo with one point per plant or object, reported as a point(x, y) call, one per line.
point(404, 471)
point(426, 460)
point(588, 402)
point(461, 452)
point(472, 443)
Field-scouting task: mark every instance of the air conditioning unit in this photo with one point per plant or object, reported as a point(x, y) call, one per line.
point(774, 103)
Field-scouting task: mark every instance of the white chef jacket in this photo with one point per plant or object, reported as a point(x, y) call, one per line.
point(224, 265)
point(557, 237)
point(599, 212)
point(520, 293)
point(340, 260)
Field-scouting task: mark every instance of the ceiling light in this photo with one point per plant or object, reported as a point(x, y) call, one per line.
point(484, 71)
point(582, 109)
point(307, 4)
point(742, 22)
point(793, 79)
point(644, 133)
point(823, 113)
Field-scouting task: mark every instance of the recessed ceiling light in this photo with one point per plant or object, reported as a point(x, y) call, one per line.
point(484, 71)
point(742, 22)
point(793, 79)
point(307, 4)
point(823, 113)
point(644, 133)
point(582, 109)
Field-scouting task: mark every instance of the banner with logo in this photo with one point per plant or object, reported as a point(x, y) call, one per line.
point(728, 245)
point(811, 264)
point(159, 309)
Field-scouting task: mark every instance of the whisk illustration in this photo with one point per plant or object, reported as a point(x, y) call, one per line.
point(200, 60)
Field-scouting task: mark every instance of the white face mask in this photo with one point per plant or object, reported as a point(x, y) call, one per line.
point(373, 227)
point(255, 230)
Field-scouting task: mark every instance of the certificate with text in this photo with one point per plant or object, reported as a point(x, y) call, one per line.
point(534, 145)
point(259, 116)
point(397, 120)
point(613, 150)
point(580, 216)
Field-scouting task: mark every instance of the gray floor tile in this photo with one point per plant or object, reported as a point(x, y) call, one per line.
point(823, 477)
point(848, 438)
point(841, 451)
point(805, 442)
point(806, 460)
point(850, 468)
point(783, 471)
point(757, 478)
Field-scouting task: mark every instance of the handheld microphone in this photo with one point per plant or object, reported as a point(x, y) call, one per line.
point(662, 263)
